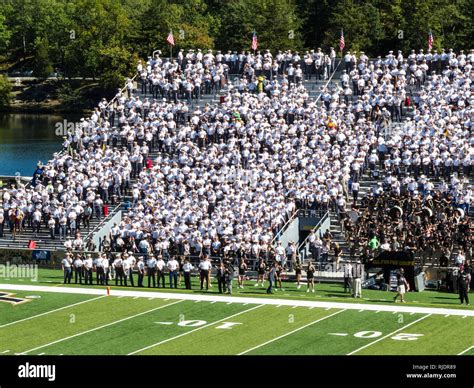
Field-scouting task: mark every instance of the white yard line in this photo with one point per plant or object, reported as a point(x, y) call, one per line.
point(251, 300)
point(102, 326)
point(192, 331)
point(51, 311)
point(389, 335)
point(465, 351)
point(291, 332)
point(5, 351)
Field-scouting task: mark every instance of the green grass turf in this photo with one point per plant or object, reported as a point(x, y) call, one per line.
point(319, 339)
point(137, 333)
point(10, 312)
point(26, 335)
point(441, 335)
point(256, 326)
point(123, 325)
point(332, 292)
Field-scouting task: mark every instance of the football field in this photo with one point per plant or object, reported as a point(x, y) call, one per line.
point(84, 321)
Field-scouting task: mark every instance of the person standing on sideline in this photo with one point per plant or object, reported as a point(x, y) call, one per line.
point(260, 272)
point(88, 264)
point(141, 271)
point(106, 266)
point(348, 277)
point(173, 267)
point(220, 274)
point(357, 280)
point(204, 268)
point(310, 277)
point(151, 269)
point(242, 269)
point(160, 271)
point(271, 277)
point(78, 265)
point(132, 263)
point(66, 264)
point(278, 272)
point(118, 267)
point(464, 280)
point(402, 286)
point(229, 276)
point(298, 273)
point(187, 268)
point(99, 270)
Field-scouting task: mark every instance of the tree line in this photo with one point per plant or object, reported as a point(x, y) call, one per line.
point(103, 39)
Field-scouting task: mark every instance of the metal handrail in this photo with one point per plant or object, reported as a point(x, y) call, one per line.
point(323, 218)
point(329, 80)
point(103, 222)
point(285, 226)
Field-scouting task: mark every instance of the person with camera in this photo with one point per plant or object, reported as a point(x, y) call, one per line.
point(271, 277)
point(402, 286)
point(228, 276)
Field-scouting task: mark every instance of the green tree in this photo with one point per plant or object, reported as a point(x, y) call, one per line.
point(275, 21)
point(5, 91)
point(5, 33)
point(42, 65)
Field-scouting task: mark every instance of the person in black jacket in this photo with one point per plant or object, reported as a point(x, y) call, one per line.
point(464, 279)
point(221, 283)
point(271, 277)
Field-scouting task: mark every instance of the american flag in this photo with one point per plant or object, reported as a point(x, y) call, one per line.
point(430, 40)
point(254, 41)
point(342, 44)
point(170, 38)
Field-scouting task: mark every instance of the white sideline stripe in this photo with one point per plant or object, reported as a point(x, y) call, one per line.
point(101, 327)
point(465, 351)
point(389, 335)
point(251, 300)
point(5, 351)
point(51, 311)
point(291, 332)
point(192, 331)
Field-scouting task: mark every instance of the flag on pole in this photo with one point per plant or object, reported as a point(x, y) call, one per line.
point(254, 41)
point(342, 43)
point(170, 38)
point(430, 40)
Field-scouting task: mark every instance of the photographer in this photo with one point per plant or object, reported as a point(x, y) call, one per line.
point(464, 279)
point(228, 275)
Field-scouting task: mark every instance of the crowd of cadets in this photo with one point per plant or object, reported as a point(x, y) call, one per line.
point(229, 176)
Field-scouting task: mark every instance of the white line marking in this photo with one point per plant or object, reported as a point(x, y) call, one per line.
point(251, 300)
point(192, 331)
point(312, 307)
point(102, 326)
point(278, 305)
point(121, 296)
point(329, 308)
point(465, 351)
point(229, 303)
point(197, 301)
point(294, 307)
point(465, 316)
point(52, 311)
point(135, 297)
point(377, 311)
point(291, 332)
point(338, 334)
point(151, 298)
point(447, 315)
point(213, 302)
point(40, 354)
point(5, 351)
point(412, 313)
point(389, 335)
point(164, 323)
point(361, 310)
point(245, 304)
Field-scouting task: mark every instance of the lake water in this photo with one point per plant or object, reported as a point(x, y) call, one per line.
point(26, 139)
